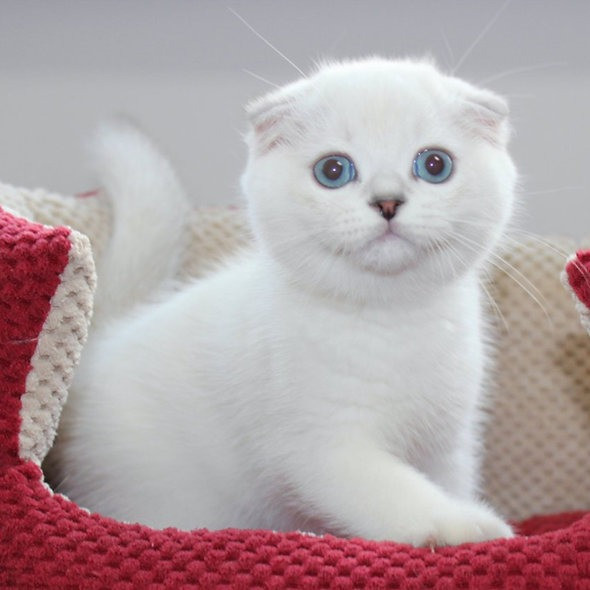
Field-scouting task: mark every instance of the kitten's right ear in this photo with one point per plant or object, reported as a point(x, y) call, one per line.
point(272, 118)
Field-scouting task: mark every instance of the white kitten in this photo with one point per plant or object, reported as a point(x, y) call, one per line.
point(331, 379)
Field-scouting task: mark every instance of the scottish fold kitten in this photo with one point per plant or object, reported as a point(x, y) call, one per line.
point(330, 379)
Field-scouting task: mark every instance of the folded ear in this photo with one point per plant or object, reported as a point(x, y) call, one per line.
point(273, 120)
point(486, 114)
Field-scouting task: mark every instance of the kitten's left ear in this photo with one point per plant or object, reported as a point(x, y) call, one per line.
point(486, 114)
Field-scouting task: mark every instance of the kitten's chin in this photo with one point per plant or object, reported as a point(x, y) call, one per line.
point(388, 254)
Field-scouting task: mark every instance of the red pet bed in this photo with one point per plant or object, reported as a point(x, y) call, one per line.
point(46, 541)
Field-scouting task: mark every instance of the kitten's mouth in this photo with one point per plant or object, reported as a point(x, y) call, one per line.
point(388, 252)
point(390, 234)
point(409, 236)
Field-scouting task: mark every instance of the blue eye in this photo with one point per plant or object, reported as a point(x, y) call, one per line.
point(334, 171)
point(432, 165)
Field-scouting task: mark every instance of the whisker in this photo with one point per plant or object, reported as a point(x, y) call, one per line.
point(512, 267)
point(487, 280)
point(511, 233)
point(481, 223)
point(480, 37)
point(332, 48)
point(540, 241)
point(563, 254)
point(552, 190)
point(456, 255)
point(58, 486)
point(450, 52)
point(521, 70)
point(497, 261)
point(258, 77)
point(519, 96)
point(495, 306)
point(432, 248)
point(435, 245)
point(266, 41)
point(493, 303)
point(538, 301)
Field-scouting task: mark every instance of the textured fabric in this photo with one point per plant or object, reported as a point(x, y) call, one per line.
point(89, 212)
point(214, 234)
point(578, 273)
point(31, 260)
point(537, 439)
point(58, 350)
point(576, 278)
point(48, 542)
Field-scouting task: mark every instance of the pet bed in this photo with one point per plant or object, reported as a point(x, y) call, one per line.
point(537, 461)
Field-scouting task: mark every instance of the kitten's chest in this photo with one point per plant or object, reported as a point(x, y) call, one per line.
point(382, 345)
point(405, 374)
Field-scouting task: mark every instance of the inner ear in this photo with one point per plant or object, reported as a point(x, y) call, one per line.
point(486, 114)
point(269, 125)
point(491, 102)
point(273, 118)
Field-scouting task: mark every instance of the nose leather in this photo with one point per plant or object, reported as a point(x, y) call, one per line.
point(387, 207)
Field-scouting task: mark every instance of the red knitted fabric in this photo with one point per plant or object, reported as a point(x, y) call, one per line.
point(48, 542)
point(31, 259)
point(578, 274)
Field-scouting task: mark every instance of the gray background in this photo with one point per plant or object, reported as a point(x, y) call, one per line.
point(178, 67)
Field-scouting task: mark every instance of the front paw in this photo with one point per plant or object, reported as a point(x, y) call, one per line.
point(463, 522)
point(468, 522)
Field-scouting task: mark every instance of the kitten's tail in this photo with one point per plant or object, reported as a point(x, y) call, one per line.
point(149, 212)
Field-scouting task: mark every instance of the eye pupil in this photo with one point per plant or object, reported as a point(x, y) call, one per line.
point(435, 164)
point(333, 169)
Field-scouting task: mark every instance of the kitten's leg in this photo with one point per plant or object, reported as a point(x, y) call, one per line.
point(367, 492)
point(457, 472)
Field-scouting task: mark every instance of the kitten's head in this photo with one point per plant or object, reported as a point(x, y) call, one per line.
point(373, 176)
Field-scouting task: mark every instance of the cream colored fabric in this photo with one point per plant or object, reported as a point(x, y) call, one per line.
point(213, 234)
point(538, 437)
point(90, 214)
point(58, 351)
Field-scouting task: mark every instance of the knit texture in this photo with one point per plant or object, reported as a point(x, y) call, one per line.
point(536, 456)
point(32, 258)
point(48, 542)
point(576, 278)
point(578, 274)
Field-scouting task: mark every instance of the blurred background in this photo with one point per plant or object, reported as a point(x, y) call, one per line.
point(183, 68)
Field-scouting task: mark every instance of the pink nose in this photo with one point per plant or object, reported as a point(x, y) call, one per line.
point(388, 208)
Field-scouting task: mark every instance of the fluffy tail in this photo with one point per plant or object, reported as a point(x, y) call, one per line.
point(149, 210)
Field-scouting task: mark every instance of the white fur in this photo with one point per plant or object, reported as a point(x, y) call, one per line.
point(331, 379)
point(149, 210)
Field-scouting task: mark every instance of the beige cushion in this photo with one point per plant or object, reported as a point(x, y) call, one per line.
point(538, 437)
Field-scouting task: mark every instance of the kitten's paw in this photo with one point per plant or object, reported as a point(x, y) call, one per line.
point(464, 522)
